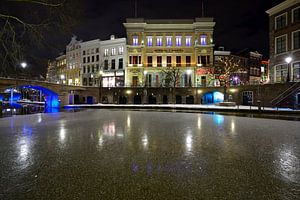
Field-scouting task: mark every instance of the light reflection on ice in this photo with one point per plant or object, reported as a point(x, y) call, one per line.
point(145, 141)
point(289, 164)
point(199, 122)
point(189, 142)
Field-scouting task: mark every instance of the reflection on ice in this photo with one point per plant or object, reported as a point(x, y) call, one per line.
point(189, 142)
point(289, 165)
point(145, 141)
point(218, 119)
point(128, 121)
point(109, 129)
point(199, 122)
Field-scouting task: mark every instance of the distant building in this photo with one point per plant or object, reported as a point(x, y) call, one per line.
point(57, 70)
point(285, 41)
point(52, 72)
point(155, 45)
point(73, 61)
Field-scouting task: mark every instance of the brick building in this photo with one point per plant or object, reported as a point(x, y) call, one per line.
point(285, 42)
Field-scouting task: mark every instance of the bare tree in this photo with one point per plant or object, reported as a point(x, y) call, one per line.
point(171, 78)
point(225, 68)
point(26, 24)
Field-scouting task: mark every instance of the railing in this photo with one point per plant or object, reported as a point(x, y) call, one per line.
point(285, 94)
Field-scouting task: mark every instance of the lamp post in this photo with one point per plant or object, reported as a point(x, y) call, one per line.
point(100, 85)
point(288, 60)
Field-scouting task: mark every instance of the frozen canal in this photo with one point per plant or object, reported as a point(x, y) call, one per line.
point(102, 154)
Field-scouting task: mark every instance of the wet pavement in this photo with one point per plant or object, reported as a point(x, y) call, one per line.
point(102, 154)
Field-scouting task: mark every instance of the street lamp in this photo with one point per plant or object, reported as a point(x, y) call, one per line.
point(23, 65)
point(288, 60)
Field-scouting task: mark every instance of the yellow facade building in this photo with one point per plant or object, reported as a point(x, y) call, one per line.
point(156, 47)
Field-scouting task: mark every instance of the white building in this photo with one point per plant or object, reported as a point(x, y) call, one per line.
point(103, 62)
point(114, 60)
point(90, 62)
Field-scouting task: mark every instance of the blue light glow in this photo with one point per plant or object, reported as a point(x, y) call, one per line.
point(212, 97)
point(50, 96)
point(218, 119)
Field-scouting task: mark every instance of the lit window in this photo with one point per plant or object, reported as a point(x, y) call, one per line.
point(105, 52)
point(113, 51)
point(121, 50)
point(188, 41)
point(149, 41)
point(178, 41)
point(159, 41)
point(203, 39)
point(169, 41)
point(135, 40)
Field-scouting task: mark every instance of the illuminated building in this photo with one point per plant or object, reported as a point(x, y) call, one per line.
point(157, 45)
point(57, 68)
point(284, 41)
point(103, 61)
point(73, 60)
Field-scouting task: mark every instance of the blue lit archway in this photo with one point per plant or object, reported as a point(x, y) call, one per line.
point(51, 97)
point(212, 97)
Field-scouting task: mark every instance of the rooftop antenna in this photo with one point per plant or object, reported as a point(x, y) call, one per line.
point(202, 8)
point(135, 8)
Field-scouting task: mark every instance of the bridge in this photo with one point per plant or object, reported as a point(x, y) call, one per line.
point(66, 94)
point(70, 94)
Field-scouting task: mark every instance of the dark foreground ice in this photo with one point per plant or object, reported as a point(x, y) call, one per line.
point(102, 154)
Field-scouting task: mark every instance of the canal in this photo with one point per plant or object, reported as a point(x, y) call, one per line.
point(114, 154)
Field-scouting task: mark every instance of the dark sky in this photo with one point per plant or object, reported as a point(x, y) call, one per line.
point(240, 23)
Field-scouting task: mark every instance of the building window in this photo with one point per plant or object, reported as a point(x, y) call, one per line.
point(178, 41)
point(159, 41)
point(105, 52)
point(149, 61)
point(83, 52)
point(296, 14)
point(113, 64)
point(178, 61)
point(149, 41)
point(120, 63)
point(296, 72)
point(159, 61)
point(121, 50)
point(188, 61)
point(97, 66)
point(93, 69)
point(134, 60)
point(169, 41)
point(84, 69)
point(296, 40)
point(97, 58)
point(88, 59)
point(113, 51)
point(93, 58)
point(105, 64)
point(280, 21)
point(280, 44)
point(280, 73)
point(169, 61)
point(88, 69)
point(188, 41)
point(97, 50)
point(203, 40)
point(84, 59)
point(135, 40)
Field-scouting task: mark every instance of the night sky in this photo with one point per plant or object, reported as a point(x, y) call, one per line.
point(240, 24)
